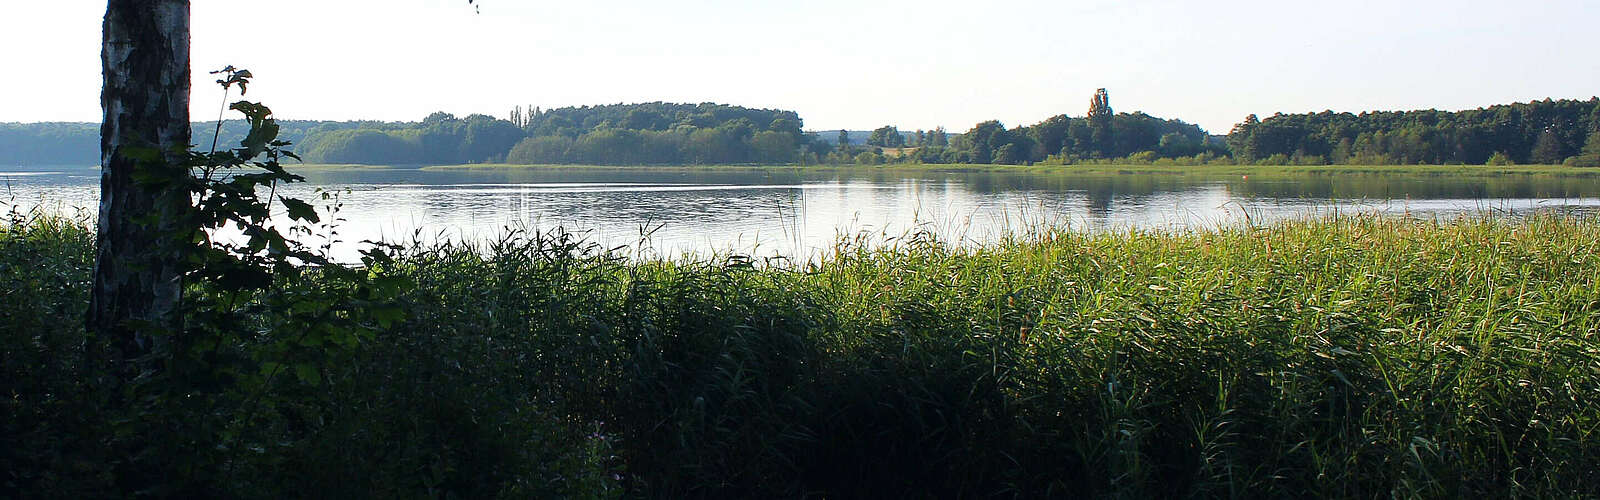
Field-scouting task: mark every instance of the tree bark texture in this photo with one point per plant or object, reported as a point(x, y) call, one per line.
point(137, 276)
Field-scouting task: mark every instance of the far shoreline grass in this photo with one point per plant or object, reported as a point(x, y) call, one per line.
point(1468, 170)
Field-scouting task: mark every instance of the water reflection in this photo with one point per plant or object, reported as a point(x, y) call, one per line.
point(796, 212)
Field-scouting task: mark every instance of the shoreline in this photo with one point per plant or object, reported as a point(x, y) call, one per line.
point(1121, 169)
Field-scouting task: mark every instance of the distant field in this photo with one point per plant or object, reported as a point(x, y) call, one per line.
point(897, 152)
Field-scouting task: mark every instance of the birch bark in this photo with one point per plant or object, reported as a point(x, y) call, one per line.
point(137, 278)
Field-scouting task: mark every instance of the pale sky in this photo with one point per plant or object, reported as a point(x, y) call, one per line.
point(856, 64)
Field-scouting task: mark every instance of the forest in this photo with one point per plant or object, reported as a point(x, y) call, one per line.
point(1063, 139)
point(658, 133)
point(1548, 132)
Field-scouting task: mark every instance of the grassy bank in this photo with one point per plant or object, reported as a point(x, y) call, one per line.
point(1348, 357)
point(1479, 170)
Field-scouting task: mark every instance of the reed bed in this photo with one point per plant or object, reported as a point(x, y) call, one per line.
point(1349, 356)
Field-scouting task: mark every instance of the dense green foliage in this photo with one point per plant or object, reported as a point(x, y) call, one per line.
point(1100, 134)
point(1352, 357)
point(660, 133)
point(438, 139)
point(886, 136)
point(622, 134)
point(1589, 156)
point(1068, 139)
point(651, 133)
point(1540, 132)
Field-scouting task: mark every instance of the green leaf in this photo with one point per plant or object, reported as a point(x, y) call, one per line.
point(300, 210)
point(388, 315)
point(391, 284)
point(260, 135)
point(263, 129)
point(307, 373)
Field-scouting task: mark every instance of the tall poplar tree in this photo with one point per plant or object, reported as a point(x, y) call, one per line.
point(1100, 123)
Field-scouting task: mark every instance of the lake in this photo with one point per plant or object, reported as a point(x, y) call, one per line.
point(799, 212)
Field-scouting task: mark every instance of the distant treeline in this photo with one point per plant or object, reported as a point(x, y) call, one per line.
point(78, 143)
point(1541, 132)
point(631, 134)
point(49, 143)
point(657, 133)
point(1060, 139)
point(1099, 135)
point(620, 134)
point(440, 139)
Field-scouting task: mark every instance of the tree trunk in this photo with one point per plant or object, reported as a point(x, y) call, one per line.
point(137, 278)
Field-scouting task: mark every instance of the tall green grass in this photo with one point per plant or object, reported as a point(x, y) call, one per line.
point(1343, 357)
point(1349, 357)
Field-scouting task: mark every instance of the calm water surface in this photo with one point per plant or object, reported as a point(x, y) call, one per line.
point(797, 213)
